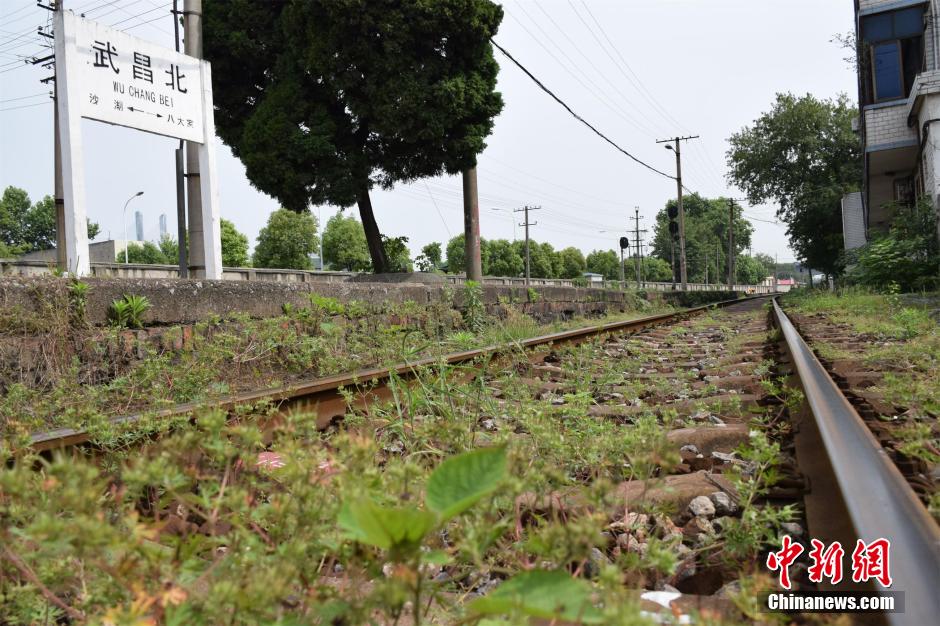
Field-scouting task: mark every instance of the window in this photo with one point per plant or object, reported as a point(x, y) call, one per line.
point(886, 68)
point(896, 42)
point(904, 191)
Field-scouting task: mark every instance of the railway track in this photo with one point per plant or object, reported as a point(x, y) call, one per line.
point(708, 378)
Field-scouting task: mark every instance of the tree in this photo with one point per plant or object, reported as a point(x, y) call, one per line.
point(430, 258)
point(767, 262)
point(706, 236)
point(571, 263)
point(171, 249)
point(234, 246)
point(502, 259)
point(751, 270)
point(146, 253)
point(322, 101)
point(456, 253)
point(656, 270)
point(604, 262)
point(344, 244)
point(396, 251)
point(25, 227)
point(287, 241)
point(803, 155)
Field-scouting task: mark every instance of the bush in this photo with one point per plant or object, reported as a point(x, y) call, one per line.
point(905, 258)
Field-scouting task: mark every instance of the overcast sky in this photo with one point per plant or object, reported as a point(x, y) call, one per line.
point(639, 70)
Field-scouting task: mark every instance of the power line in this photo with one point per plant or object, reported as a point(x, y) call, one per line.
point(634, 79)
point(575, 115)
point(434, 202)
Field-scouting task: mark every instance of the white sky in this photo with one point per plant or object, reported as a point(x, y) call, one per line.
point(696, 67)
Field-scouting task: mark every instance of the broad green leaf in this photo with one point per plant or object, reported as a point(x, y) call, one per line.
point(541, 593)
point(398, 529)
point(460, 481)
point(435, 557)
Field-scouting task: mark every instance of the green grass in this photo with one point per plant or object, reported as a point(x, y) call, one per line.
point(190, 529)
point(238, 355)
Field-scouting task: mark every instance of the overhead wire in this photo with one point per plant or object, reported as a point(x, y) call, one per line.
point(542, 86)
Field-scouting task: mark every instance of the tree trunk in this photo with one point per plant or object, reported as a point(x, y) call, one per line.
point(373, 236)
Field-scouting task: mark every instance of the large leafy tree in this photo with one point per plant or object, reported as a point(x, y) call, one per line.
point(322, 100)
point(25, 227)
point(287, 241)
point(430, 258)
point(502, 259)
point(803, 155)
point(706, 236)
point(604, 262)
point(456, 252)
point(234, 246)
point(344, 244)
point(571, 263)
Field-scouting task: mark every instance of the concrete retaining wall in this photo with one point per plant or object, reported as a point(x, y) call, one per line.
point(176, 301)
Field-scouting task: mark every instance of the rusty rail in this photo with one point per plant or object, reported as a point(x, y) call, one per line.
point(878, 499)
point(325, 397)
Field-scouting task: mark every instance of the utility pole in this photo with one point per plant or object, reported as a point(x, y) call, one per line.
point(471, 226)
point(636, 238)
point(192, 46)
point(527, 223)
point(706, 267)
point(181, 238)
point(672, 260)
point(59, 184)
point(775, 272)
point(678, 150)
point(731, 272)
point(717, 261)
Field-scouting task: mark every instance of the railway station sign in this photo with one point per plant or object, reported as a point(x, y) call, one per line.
point(109, 76)
point(132, 82)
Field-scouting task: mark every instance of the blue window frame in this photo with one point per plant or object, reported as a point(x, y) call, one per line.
point(886, 63)
point(895, 40)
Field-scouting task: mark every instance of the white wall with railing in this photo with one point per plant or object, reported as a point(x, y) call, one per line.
point(16, 267)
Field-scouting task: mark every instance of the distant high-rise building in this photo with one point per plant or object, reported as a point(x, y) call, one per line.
point(162, 225)
point(139, 219)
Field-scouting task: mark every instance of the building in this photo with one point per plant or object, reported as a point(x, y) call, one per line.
point(139, 223)
point(163, 232)
point(899, 111)
point(99, 251)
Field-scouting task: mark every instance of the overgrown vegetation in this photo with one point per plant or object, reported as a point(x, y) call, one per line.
point(898, 337)
point(86, 375)
point(906, 258)
point(461, 500)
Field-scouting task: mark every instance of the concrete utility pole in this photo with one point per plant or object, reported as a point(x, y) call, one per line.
point(180, 173)
point(775, 273)
point(527, 223)
point(471, 226)
point(192, 46)
point(59, 185)
point(636, 238)
point(678, 150)
point(731, 272)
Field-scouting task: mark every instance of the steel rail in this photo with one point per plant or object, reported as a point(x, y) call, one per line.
point(879, 500)
point(325, 396)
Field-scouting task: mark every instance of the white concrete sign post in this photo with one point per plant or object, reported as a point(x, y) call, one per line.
point(106, 75)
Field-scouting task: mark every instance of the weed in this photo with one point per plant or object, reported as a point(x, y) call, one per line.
point(78, 299)
point(474, 312)
point(128, 312)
